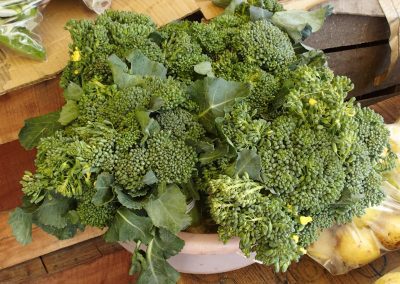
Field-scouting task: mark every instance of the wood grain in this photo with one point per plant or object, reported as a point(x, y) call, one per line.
point(348, 30)
point(20, 273)
point(362, 65)
point(15, 107)
point(14, 160)
point(11, 252)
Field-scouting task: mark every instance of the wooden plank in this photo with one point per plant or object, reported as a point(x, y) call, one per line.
point(14, 160)
point(389, 109)
point(11, 252)
point(362, 65)
point(346, 30)
point(111, 268)
point(70, 257)
point(17, 106)
point(106, 248)
point(23, 272)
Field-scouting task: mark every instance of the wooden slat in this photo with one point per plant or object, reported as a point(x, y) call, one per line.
point(362, 65)
point(17, 106)
point(389, 109)
point(70, 257)
point(11, 252)
point(111, 268)
point(22, 272)
point(14, 160)
point(346, 30)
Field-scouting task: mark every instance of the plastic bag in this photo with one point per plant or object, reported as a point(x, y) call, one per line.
point(391, 277)
point(343, 248)
point(17, 20)
point(99, 6)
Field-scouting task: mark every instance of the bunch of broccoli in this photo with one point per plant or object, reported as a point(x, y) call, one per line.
point(228, 112)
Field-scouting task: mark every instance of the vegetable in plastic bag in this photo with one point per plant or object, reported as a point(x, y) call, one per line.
point(99, 6)
point(17, 20)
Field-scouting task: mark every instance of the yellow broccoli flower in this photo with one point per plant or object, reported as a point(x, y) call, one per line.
point(303, 250)
point(76, 55)
point(304, 220)
point(295, 238)
point(312, 102)
point(76, 72)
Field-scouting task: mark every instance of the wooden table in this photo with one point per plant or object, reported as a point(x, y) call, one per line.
point(94, 261)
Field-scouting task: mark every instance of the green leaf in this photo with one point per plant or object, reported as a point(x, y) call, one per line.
point(127, 226)
point(65, 233)
point(204, 68)
point(299, 24)
point(104, 193)
point(168, 210)
point(248, 161)
point(127, 200)
point(148, 125)
point(120, 73)
point(37, 128)
point(257, 13)
point(21, 224)
point(221, 3)
point(69, 112)
point(231, 8)
point(150, 178)
point(215, 96)
point(73, 92)
point(215, 154)
point(157, 269)
point(54, 211)
point(141, 65)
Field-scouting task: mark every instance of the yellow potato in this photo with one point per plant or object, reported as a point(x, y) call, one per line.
point(371, 215)
point(388, 232)
point(357, 247)
point(324, 248)
point(390, 278)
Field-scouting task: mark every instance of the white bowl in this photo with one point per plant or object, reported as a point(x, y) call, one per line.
point(205, 254)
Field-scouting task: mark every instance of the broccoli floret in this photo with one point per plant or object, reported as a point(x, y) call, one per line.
point(182, 124)
point(121, 104)
point(265, 45)
point(241, 129)
point(130, 167)
point(170, 158)
point(182, 53)
point(94, 41)
point(92, 215)
point(170, 91)
point(243, 208)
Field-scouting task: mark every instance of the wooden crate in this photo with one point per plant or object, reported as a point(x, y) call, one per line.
point(357, 46)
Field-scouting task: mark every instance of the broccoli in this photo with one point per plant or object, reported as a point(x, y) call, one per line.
point(182, 53)
point(170, 158)
point(275, 147)
point(92, 215)
point(94, 41)
point(244, 208)
point(182, 124)
point(265, 45)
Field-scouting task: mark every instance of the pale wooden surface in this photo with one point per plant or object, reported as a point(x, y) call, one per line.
point(11, 252)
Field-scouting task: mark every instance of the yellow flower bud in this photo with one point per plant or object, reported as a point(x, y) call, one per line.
point(312, 102)
point(76, 55)
point(304, 220)
point(303, 250)
point(295, 238)
point(76, 72)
